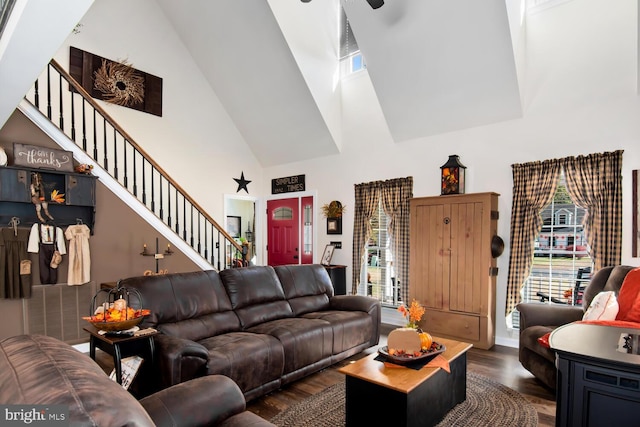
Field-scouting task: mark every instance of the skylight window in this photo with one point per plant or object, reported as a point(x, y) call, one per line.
point(351, 59)
point(534, 6)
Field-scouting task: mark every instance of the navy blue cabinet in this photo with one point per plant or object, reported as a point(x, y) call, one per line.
point(598, 381)
point(76, 192)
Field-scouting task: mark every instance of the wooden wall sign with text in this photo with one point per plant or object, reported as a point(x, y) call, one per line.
point(42, 157)
point(289, 184)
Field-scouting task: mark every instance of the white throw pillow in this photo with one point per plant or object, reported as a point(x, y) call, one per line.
point(603, 307)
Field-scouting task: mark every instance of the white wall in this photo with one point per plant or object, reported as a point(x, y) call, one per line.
point(34, 31)
point(195, 141)
point(579, 98)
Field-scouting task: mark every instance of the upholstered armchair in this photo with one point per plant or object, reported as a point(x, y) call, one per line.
point(537, 319)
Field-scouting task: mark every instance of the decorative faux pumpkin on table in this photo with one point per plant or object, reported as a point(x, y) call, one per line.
point(410, 342)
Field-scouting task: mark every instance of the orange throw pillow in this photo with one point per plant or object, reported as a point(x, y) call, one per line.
point(544, 340)
point(629, 297)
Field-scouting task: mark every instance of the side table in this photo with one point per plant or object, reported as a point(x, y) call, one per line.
point(598, 378)
point(120, 347)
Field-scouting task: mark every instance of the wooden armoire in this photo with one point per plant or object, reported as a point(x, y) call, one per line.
point(452, 271)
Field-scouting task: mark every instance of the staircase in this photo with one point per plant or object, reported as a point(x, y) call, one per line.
point(71, 117)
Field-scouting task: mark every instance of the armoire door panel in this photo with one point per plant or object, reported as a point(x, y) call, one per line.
point(466, 260)
point(431, 260)
point(441, 262)
point(450, 261)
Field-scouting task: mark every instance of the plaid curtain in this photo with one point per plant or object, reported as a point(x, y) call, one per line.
point(395, 195)
point(534, 185)
point(367, 196)
point(594, 182)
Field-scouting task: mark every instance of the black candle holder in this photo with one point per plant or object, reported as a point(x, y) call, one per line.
point(157, 254)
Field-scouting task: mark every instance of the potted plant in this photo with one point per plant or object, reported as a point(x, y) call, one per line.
point(333, 212)
point(334, 209)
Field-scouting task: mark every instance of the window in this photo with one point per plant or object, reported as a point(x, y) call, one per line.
point(561, 266)
point(351, 59)
point(378, 266)
point(307, 237)
point(282, 213)
point(594, 181)
point(5, 11)
point(374, 235)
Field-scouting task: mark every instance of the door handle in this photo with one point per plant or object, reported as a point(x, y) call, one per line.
point(295, 257)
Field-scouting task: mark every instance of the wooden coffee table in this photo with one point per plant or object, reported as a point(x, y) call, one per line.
point(378, 395)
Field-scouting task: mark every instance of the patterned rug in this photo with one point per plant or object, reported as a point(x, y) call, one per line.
point(488, 404)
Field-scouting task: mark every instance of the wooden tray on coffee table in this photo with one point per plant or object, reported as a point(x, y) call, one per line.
point(406, 359)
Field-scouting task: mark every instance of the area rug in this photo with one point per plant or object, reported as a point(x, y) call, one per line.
point(488, 403)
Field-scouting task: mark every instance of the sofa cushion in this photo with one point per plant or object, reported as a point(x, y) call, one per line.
point(305, 341)
point(251, 360)
point(256, 295)
point(350, 328)
point(605, 279)
point(190, 305)
point(529, 339)
point(603, 307)
point(41, 370)
point(306, 287)
point(629, 297)
point(544, 340)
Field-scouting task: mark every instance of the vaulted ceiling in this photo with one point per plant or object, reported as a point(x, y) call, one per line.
point(436, 66)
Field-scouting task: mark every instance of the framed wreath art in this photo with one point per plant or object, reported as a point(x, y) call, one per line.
point(116, 82)
point(119, 83)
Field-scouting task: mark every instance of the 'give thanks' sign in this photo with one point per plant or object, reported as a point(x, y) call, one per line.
point(42, 158)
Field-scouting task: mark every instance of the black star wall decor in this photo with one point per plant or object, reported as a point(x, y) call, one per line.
point(242, 183)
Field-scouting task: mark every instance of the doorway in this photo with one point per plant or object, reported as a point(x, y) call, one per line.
point(290, 231)
point(240, 222)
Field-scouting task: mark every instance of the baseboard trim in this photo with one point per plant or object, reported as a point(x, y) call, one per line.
point(507, 342)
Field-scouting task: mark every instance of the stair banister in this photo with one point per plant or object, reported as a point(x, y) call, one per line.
point(163, 175)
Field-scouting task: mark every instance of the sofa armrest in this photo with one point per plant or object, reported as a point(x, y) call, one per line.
point(369, 305)
point(203, 401)
point(179, 359)
point(353, 303)
point(538, 314)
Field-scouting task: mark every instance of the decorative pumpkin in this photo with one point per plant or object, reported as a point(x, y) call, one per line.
point(405, 340)
point(425, 341)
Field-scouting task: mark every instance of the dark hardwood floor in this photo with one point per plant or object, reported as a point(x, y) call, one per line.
point(500, 364)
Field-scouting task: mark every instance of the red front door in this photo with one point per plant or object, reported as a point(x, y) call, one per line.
point(283, 235)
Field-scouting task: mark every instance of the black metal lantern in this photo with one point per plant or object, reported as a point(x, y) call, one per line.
point(452, 176)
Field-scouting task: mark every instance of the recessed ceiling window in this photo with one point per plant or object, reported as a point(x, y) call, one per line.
point(534, 6)
point(5, 10)
point(351, 59)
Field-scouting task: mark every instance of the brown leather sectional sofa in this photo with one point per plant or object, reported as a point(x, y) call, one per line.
point(261, 326)
point(43, 371)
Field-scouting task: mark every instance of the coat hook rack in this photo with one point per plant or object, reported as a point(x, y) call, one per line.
point(15, 221)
